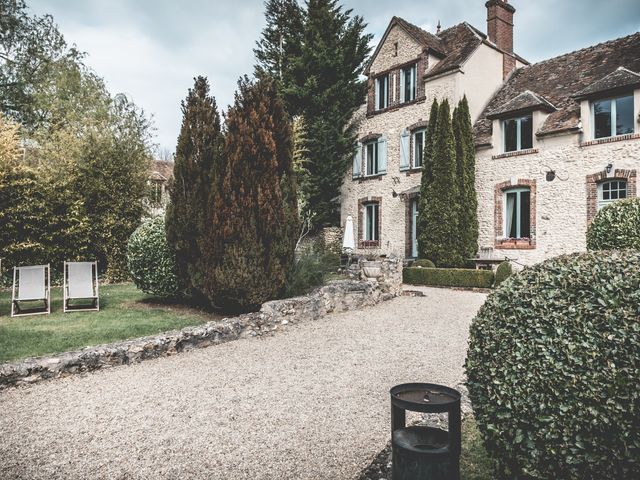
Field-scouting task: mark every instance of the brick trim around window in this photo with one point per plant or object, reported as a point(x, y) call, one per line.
point(513, 243)
point(408, 220)
point(362, 243)
point(629, 176)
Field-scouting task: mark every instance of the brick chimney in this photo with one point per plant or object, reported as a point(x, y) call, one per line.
point(500, 31)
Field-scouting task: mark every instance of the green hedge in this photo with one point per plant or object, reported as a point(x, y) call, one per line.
point(503, 272)
point(616, 226)
point(424, 263)
point(552, 369)
point(448, 277)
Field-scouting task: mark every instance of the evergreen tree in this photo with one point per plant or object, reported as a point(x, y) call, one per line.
point(199, 146)
point(438, 216)
point(427, 174)
point(281, 40)
point(466, 159)
point(326, 89)
point(253, 218)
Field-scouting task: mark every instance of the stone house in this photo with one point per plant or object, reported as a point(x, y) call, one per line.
point(532, 123)
point(159, 178)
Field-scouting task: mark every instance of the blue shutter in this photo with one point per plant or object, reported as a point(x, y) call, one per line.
point(357, 162)
point(382, 155)
point(404, 150)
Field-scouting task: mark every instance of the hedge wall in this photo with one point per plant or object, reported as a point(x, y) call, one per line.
point(448, 277)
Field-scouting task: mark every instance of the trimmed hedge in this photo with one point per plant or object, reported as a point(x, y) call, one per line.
point(448, 277)
point(552, 369)
point(616, 226)
point(151, 262)
point(503, 272)
point(424, 263)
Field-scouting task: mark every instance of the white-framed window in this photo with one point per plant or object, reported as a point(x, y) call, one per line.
point(610, 191)
point(371, 222)
point(408, 83)
point(356, 171)
point(517, 133)
point(418, 140)
point(382, 92)
point(517, 213)
point(612, 116)
point(375, 157)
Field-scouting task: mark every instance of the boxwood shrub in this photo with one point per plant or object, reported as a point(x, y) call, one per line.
point(424, 263)
point(448, 277)
point(553, 368)
point(616, 226)
point(151, 263)
point(503, 272)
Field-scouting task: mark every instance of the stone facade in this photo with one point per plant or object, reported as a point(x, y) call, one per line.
point(339, 296)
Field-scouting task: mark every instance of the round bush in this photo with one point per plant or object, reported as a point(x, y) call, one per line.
point(151, 263)
point(424, 263)
point(616, 226)
point(503, 272)
point(553, 368)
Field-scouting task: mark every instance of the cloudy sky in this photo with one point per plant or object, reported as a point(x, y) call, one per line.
point(152, 49)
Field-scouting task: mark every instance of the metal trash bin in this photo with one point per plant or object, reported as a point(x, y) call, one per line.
point(425, 453)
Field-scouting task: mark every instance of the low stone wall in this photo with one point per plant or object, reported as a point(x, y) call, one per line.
point(336, 297)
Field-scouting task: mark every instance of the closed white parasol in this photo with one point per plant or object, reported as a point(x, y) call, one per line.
point(348, 242)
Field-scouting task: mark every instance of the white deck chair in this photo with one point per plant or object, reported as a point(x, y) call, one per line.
point(81, 283)
point(31, 284)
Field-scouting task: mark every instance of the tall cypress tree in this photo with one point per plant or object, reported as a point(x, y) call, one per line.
point(281, 40)
point(466, 167)
point(253, 219)
point(438, 216)
point(427, 175)
point(326, 89)
point(199, 145)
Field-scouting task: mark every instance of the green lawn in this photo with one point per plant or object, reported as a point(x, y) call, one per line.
point(125, 312)
point(475, 464)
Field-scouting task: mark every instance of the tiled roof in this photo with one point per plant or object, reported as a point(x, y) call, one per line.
point(161, 170)
point(559, 79)
point(527, 100)
point(621, 78)
point(423, 37)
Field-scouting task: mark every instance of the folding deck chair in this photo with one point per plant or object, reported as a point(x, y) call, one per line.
point(80, 285)
point(31, 285)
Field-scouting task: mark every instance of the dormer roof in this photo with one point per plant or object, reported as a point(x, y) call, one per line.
point(525, 102)
point(620, 79)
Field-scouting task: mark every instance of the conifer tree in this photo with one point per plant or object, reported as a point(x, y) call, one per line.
point(326, 89)
point(438, 216)
point(281, 40)
point(253, 219)
point(465, 161)
point(427, 167)
point(199, 145)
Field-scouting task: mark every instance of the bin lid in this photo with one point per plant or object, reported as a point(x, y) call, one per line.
point(425, 397)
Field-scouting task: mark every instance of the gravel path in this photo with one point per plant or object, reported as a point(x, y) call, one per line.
point(310, 402)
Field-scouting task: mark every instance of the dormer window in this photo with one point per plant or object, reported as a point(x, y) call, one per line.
point(408, 83)
point(612, 116)
point(382, 92)
point(518, 133)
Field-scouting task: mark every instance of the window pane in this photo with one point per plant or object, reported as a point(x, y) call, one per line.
point(602, 118)
point(623, 190)
point(510, 136)
point(526, 132)
point(371, 154)
point(512, 215)
point(525, 221)
point(419, 148)
point(624, 115)
point(376, 222)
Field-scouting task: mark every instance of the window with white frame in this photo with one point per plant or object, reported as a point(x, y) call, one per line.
point(375, 157)
point(371, 222)
point(612, 116)
point(518, 133)
point(517, 213)
point(418, 139)
point(408, 83)
point(382, 92)
point(610, 191)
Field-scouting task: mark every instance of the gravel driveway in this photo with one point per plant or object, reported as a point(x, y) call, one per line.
point(310, 402)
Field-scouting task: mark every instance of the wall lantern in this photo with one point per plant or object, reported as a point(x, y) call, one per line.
point(609, 168)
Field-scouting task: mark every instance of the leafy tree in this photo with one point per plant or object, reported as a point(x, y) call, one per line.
point(9, 140)
point(253, 221)
point(438, 216)
point(326, 89)
point(466, 174)
point(198, 149)
point(281, 40)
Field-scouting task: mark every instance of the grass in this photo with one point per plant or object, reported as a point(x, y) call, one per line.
point(125, 312)
point(475, 464)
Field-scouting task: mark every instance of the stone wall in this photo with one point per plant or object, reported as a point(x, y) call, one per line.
point(336, 297)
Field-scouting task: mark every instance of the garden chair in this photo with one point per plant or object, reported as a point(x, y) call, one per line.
point(80, 283)
point(31, 285)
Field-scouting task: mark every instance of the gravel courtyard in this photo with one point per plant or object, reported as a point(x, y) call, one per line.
point(310, 402)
